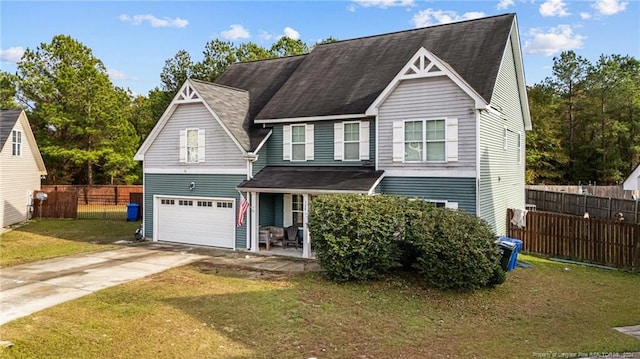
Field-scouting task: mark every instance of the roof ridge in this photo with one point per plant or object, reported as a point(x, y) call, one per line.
point(218, 85)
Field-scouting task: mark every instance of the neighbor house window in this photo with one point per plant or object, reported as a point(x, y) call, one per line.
point(424, 141)
point(297, 210)
point(298, 142)
point(16, 143)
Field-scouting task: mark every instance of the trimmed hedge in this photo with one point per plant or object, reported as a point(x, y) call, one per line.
point(360, 237)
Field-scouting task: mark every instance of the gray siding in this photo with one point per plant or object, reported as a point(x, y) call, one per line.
point(323, 147)
point(428, 98)
point(19, 177)
point(178, 185)
point(221, 151)
point(501, 177)
point(461, 190)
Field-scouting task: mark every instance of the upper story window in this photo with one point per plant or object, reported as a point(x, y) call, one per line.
point(351, 141)
point(192, 145)
point(297, 142)
point(425, 140)
point(16, 143)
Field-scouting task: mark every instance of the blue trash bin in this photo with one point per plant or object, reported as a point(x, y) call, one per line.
point(132, 211)
point(516, 250)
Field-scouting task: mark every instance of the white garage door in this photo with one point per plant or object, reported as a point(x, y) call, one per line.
point(202, 221)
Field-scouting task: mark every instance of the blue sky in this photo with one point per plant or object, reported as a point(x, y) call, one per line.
point(134, 38)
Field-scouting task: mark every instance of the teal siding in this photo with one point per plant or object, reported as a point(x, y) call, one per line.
point(262, 160)
point(267, 209)
point(323, 147)
point(461, 190)
point(178, 185)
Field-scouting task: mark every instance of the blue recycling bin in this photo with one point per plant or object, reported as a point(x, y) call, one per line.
point(516, 244)
point(132, 211)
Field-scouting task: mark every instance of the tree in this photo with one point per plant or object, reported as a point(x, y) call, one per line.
point(80, 118)
point(176, 71)
point(218, 55)
point(287, 46)
point(8, 91)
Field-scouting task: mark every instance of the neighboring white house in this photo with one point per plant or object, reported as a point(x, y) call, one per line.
point(21, 167)
point(632, 183)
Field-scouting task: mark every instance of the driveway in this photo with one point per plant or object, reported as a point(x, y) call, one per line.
point(28, 288)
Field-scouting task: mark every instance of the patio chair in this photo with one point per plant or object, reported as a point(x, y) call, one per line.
point(291, 237)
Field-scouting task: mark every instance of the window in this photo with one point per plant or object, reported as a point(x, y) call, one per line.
point(519, 147)
point(16, 143)
point(205, 204)
point(297, 210)
point(192, 146)
point(224, 205)
point(167, 201)
point(185, 203)
point(424, 141)
point(298, 142)
point(352, 141)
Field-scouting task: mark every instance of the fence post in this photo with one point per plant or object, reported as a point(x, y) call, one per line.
point(544, 200)
point(115, 191)
point(636, 212)
point(609, 209)
point(562, 203)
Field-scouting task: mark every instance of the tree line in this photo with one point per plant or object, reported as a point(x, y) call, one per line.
point(586, 117)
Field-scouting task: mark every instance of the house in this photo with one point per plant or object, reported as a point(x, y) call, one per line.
point(438, 113)
point(21, 167)
point(632, 183)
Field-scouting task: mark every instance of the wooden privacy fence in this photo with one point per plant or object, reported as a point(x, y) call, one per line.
point(608, 243)
point(97, 194)
point(57, 205)
point(578, 204)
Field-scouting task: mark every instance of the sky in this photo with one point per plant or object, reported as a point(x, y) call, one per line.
point(133, 39)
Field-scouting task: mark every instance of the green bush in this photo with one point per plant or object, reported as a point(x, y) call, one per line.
point(460, 254)
point(353, 235)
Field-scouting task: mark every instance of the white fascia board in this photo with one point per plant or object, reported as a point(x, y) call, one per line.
point(520, 75)
point(299, 191)
point(263, 142)
point(312, 118)
point(31, 140)
point(480, 103)
point(439, 173)
point(192, 170)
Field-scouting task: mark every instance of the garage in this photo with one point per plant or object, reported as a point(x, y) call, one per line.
point(192, 220)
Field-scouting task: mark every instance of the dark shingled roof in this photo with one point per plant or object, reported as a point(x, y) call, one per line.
point(345, 77)
point(314, 179)
point(8, 119)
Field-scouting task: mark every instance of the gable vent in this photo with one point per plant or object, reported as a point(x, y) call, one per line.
point(422, 67)
point(188, 94)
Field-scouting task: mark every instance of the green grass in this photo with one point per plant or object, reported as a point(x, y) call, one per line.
point(48, 238)
point(203, 310)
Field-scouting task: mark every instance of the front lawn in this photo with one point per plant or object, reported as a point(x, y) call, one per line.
point(208, 311)
point(48, 238)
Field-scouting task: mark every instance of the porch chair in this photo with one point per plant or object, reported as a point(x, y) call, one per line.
point(291, 237)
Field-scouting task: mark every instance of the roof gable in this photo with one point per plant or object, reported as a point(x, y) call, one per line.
point(8, 121)
point(632, 183)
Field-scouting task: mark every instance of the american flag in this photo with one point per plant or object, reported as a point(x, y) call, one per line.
point(242, 209)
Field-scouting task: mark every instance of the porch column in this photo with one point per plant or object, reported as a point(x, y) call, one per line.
point(306, 238)
point(253, 221)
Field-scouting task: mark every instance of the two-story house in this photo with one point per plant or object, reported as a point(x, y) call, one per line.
point(438, 113)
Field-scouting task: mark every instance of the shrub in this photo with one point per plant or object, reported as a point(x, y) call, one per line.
point(353, 235)
point(460, 254)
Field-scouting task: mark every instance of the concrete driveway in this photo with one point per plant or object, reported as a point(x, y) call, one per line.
point(28, 288)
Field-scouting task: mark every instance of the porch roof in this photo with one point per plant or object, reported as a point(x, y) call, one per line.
point(313, 179)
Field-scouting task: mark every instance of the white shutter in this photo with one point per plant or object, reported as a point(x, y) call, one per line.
point(286, 143)
point(338, 137)
point(201, 146)
point(451, 205)
point(309, 151)
point(183, 146)
point(364, 140)
point(452, 139)
point(398, 141)
point(287, 216)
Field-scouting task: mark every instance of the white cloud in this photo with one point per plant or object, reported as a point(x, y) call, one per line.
point(555, 40)
point(503, 4)
point(236, 32)
point(432, 17)
point(12, 54)
point(610, 7)
point(351, 8)
point(118, 75)
point(554, 8)
point(383, 4)
point(154, 21)
point(585, 16)
point(266, 36)
point(291, 33)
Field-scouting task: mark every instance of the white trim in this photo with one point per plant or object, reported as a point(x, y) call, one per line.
point(359, 142)
point(520, 75)
point(289, 191)
point(309, 145)
point(477, 152)
point(446, 140)
point(443, 66)
point(268, 135)
point(312, 118)
point(338, 141)
point(287, 209)
point(253, 226)
point(196, 170)
point(286, 143)
point(306, 238)
point(376, 147)
point(19, 144)
point(437, 171)
point(365, 130)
